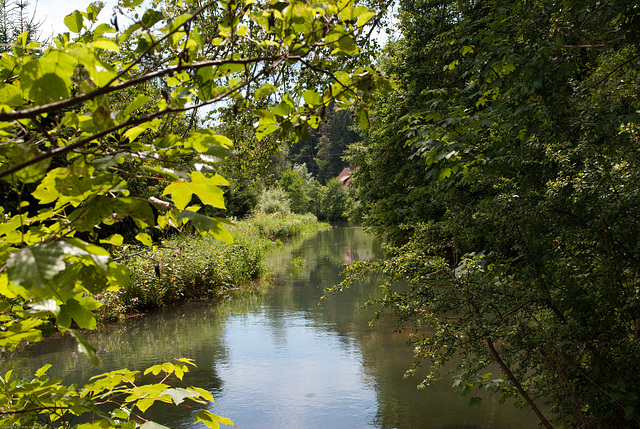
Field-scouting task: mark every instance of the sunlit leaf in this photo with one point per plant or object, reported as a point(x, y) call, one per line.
point(211, 420)
point(43, 370)
point(206, 188)
point(74, 21)
point(145, 239)
point(178, 395)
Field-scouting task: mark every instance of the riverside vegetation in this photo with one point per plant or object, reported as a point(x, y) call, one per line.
point(102, 129)
point(188, 266)
point(502, 171)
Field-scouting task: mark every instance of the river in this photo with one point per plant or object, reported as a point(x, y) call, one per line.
point(280, 358)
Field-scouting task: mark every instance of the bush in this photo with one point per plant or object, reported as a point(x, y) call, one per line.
point(330, 202)
point(188, 267)
point(297, 190)
point(278, 226)
point(274, 200)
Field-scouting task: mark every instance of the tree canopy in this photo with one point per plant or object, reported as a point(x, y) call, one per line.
point(100, 126)
point(504, 174)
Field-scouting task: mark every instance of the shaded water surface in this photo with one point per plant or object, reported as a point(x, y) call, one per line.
point(279, 359)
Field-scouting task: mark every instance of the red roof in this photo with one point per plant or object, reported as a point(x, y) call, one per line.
point(345, 176)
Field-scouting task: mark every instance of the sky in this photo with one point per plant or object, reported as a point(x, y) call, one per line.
point(52, 12)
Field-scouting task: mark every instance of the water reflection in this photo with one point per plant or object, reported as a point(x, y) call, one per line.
point(280, 360)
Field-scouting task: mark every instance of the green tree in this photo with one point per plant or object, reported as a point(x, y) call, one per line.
point(503, 173)
point(15, 19)
point(106, 106)
point(297, 189)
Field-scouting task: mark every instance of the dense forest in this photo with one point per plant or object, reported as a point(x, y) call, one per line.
point(493, 146)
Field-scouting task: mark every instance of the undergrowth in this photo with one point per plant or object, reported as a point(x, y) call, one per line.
point(189, 266)
point(285, 226)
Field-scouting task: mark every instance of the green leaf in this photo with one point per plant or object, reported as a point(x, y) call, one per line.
point(265, 90)
point(106, 44)
point(151, 17)
point(200, 221)
point(24, 153)
point(178, 394)
point(207, 141)
point(444, 173)
point(93, 10)
point(101, 208)
point(282, 109)
point(84, 347)
point(629, 411)
point(152, 425)
point(145, 239)
point(73, 309)
point(138, 102)
point(43, 370)
point(10, 95)
point(211, 420)
point(115, 240)
point(24, 330)
point(48, 78)
point(362, 118)
point(119, 275)
point(312, 98)
point(474, 402)
point(73, 21)
point(36, 266)
point(204, 393)
point(89, 252)
point(107, 161)
point(348, 45)
point(220, 232)
point(206, 188)
point(467, 49)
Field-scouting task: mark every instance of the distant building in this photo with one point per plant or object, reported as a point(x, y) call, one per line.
point(345, 177)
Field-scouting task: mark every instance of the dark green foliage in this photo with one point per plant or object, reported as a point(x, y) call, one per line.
point(323, 153)
point(331, 202)
point(504, 173)
point(241, 198)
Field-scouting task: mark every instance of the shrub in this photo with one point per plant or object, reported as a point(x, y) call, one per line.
point(278, 226)
point(187, 267)
point(274, 200)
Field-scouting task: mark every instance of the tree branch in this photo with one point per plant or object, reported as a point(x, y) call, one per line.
point(517, 384)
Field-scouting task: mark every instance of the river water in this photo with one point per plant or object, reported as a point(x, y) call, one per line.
point(279, 358)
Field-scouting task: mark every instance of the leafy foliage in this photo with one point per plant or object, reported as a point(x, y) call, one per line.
point(274, 201)
point(186, 267)
point(100, 128)
point(277, 226)
point(114, 398)
point(503, 174)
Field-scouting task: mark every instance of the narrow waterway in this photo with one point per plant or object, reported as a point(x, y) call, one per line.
point(282, 359)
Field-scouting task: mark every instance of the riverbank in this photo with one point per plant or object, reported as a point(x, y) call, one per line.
point(189, 267)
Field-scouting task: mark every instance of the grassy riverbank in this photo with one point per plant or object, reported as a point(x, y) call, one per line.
point(188, 267)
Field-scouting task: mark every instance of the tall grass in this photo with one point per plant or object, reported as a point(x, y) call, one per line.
point(187, 267)
point(285, 226)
